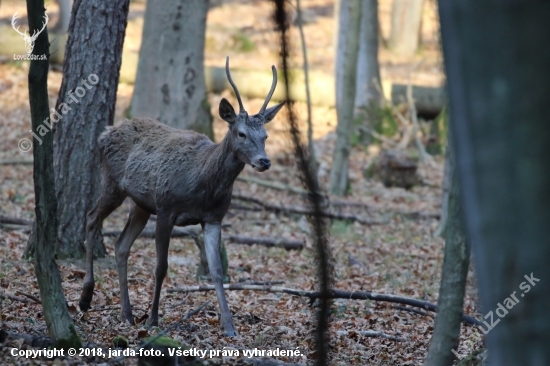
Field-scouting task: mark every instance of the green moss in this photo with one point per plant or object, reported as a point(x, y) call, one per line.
point(120, 342)
point(163, 341)
point(72, 342)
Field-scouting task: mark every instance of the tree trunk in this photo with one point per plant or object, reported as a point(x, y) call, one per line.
point(453, 283)
point(406, 18)
point(369, 87)
point(348, 49)
point(170, 76)
point(448, 173)
point(62, 25)
point(44, 235)
point(498, 83)
point(85, 106)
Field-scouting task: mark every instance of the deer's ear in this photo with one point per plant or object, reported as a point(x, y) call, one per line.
point(271, 112)
point(227, 113)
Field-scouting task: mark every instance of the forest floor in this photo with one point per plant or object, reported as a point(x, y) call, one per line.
point(399, 256)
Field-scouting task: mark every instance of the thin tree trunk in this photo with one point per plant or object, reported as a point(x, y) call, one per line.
point(85, 106)
point(453, 283)
point(368, 69)
point(406, 18)
point(170, 76)
point(447, 182)
point(348, 48)
point(498, 83)
point(44, 235)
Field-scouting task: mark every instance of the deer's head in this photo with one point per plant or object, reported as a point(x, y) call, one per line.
point(29, 39)
point(247, 133)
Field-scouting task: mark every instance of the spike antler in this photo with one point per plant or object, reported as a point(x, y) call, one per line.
point(241, 108)
point(273, 85)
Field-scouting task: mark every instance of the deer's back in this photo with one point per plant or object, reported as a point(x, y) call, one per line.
point(142, 155)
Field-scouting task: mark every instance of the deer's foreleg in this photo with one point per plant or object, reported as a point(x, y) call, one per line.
point(212, 240)
point(162, 239)
point(134, 226)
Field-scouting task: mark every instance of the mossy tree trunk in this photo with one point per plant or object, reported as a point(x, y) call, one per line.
point(499, 82)
point(44, 235)
point(90, 76)
point(346, 73)
point(453, 281)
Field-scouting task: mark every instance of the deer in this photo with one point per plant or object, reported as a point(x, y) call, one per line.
point(29, 39)
point(184, 179)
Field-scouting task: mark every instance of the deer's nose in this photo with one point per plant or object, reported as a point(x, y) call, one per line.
point(265, 163)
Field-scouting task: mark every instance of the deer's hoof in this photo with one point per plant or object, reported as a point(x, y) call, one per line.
point(230, 333)
point(153, 322)
point(84, 305)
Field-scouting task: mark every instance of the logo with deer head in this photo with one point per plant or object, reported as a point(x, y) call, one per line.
point(29, 39)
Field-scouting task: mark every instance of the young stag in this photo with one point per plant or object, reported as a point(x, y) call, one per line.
point(183, 178)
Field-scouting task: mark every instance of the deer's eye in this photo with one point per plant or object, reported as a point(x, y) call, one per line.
point(242, 135)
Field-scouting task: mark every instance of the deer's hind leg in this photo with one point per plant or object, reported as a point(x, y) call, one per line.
point(111, 198)
point(134, 226)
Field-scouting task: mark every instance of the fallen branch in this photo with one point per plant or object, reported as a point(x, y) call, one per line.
point(16, 162)
point(15, 221)
point(412, 310)
point(32, 297)
point(192, 233)
point(333, 294)
point(14, 298)
point(274, 185)
point(306, 211)
point(288, 244)
point(372, 333)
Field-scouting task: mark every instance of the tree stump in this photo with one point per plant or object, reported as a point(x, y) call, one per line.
point(397, 168)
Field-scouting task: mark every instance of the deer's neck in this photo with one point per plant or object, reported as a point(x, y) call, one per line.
point(226, 166)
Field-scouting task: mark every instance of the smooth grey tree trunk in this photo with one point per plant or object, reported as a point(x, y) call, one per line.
point(499, 82)
point(62, 25)
point(44, 234)
point(170, 76)
point(453, 281)
point(369, 84)
point(406, 18)
point(346, 72)
point(94, 47)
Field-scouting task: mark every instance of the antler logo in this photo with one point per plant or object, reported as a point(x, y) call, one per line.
point(29, 40)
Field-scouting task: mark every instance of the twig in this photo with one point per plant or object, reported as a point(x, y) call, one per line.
point(372, 333)
point(332, 294)
point(412, 310)
point(32, 297)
